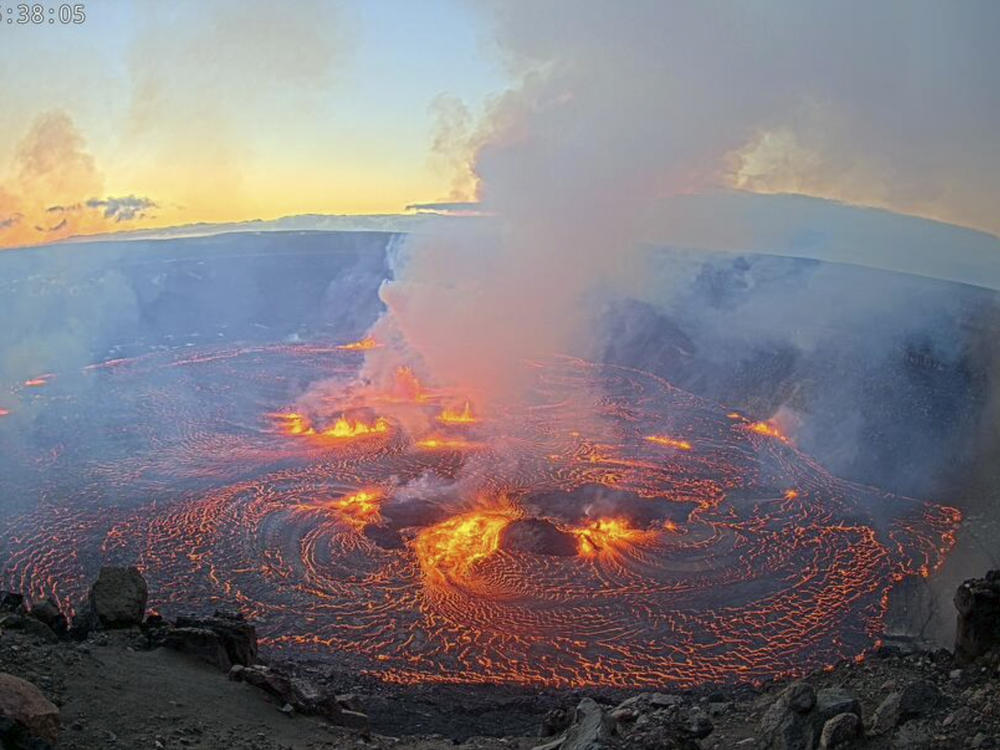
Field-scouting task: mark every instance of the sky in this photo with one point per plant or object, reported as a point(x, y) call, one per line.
point(157, 114)
point(222, 111)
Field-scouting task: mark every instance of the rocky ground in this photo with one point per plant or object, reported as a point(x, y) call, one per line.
point(116, 678)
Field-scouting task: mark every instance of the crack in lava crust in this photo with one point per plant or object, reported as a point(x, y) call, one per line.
point(708, 550)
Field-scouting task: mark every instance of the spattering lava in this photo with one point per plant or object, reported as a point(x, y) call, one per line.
point(660, 539)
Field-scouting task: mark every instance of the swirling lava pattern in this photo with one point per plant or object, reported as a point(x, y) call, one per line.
point(708, 549)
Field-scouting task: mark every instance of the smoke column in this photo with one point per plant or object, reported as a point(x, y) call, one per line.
point(618, 106)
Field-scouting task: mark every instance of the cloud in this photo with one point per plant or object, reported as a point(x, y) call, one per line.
point(122, 209)
point(47, 193)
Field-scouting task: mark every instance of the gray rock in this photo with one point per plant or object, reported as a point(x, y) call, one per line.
point(591, 728)
point(118, 597)
point(840, 730)
point(555, 721)
point(787, 725)
point(801, 697)
point(202, 643)
point(23, 703)
point(833, 701)
point(978, 603)
point(886, 716)
point(918, 699)
point(238, 636)
point(47, 612)
point(30, 626)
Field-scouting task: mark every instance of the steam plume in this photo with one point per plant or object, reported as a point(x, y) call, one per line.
point(618, 106)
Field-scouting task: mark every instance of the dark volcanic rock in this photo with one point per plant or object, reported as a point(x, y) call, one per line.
point(11, 602)
point(47, 611)
point(591, 728)
point(383, 536)
point(306, 695)
point(787, 725)
point(200, 642)
point(237, 636)
point(556, 721)
point(915, 700)
point(401, 514)
point(833, 701)
point(978, 603)
point(30, 626)
point(24, 704)
point(537, 536)
point(840, 730)
point(118, 597)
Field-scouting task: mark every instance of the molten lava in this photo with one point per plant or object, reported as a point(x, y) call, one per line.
point(606, 535)
point(681, 445)
point(346, 428)
point(679, 570)
point(360, 508)
point(448, 551)
point(293, 423)
point(456, 416)
point(4, 412)
point(768, 428)
point(37, 382)
point(359, 346)
point(440, 443)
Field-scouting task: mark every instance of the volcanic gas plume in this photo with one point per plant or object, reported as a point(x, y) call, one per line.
point(605, 528)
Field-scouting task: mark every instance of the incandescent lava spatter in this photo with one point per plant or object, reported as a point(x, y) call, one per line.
point(681, 544)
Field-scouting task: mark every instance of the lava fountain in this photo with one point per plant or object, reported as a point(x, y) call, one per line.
point(634, 535)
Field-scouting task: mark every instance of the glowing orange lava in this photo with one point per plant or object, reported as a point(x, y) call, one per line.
point(358, 346)
point(362, 507)
point(4, 412)
point(682, 445)
point(454, 416)
point(767, 428)
point(293, 423)
point(449, 550)
point(437, 443)
point(608, 535)
point(36, 382)
point(346, 428)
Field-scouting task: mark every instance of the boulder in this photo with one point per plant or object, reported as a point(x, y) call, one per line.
point(915, 700)
point(11, 602)
point(833, 701)
point(118, 597)
point(978, 629)
point(555, 721)
point(306, 696)
point(787, 725)
point(202, 643)
point(591, 728)
point(237, 635)
point(24, 704)
point(840, 731)
point(47, 611)
point(28, 625)
point(918, 699)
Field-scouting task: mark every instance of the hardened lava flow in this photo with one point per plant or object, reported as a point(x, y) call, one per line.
point(608, 529)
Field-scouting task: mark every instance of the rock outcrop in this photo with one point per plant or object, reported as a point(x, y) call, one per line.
point(801, 717)
point(31, 713)
point(118, 597)
point(978, 603)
